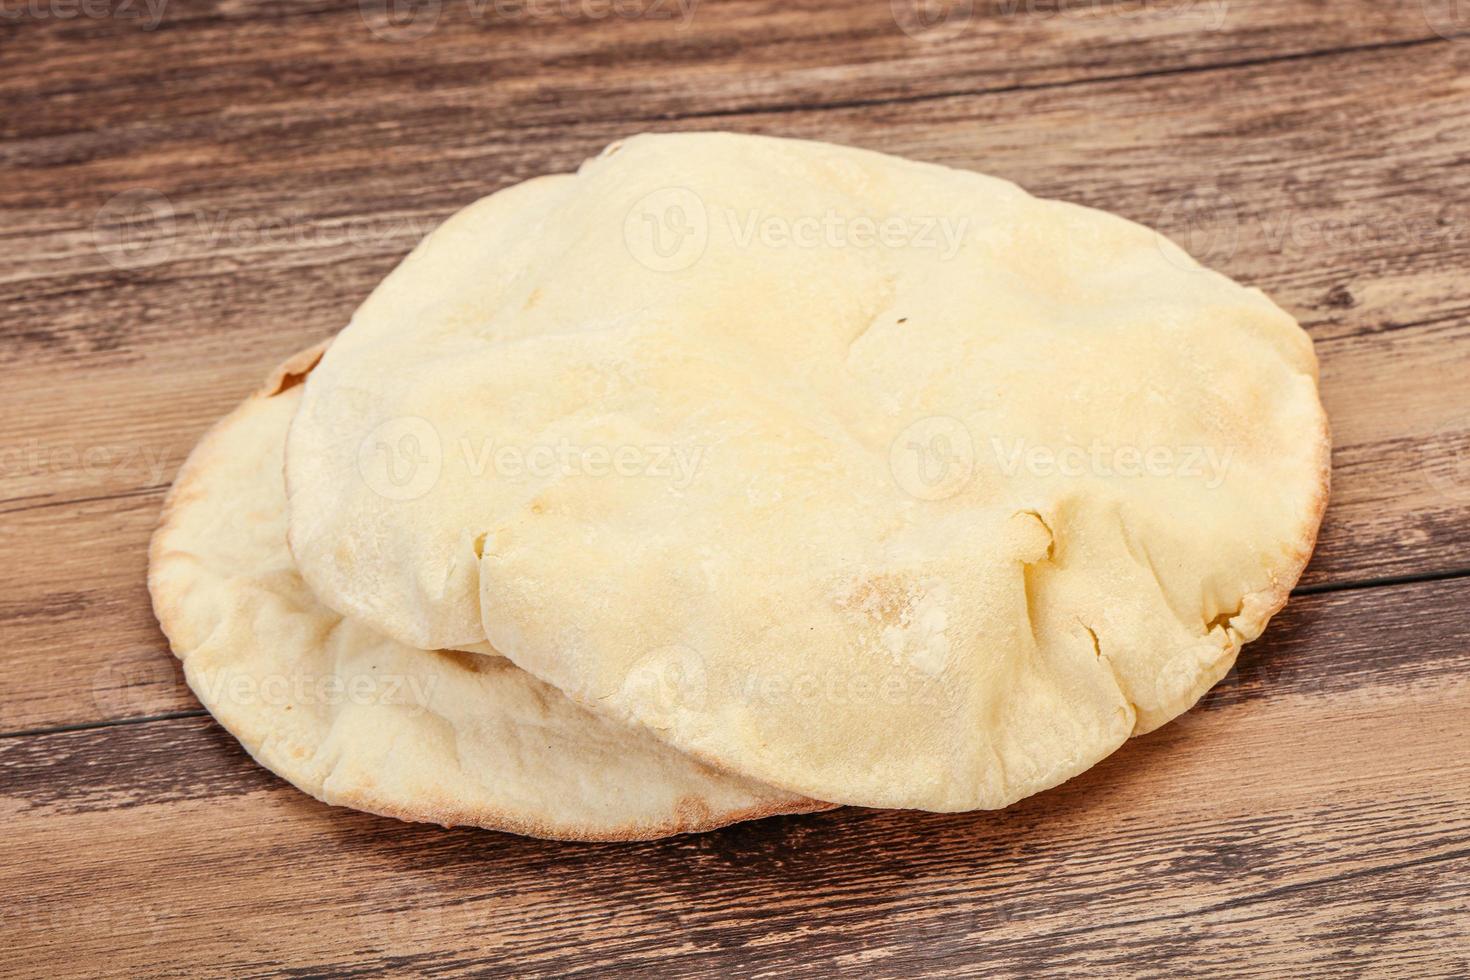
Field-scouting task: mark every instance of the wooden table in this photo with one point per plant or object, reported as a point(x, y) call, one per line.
point(196, 188)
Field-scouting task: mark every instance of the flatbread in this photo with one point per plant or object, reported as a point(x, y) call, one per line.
point(974, 485)
point(355, 719)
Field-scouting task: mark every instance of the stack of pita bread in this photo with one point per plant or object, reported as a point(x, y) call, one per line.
point(734, 476)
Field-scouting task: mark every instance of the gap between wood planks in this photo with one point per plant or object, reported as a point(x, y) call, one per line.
point(1429, 38)
point(1380, 328)
point(1347, 51)
point(982, 91)
point(1245, 901)
point(1375, 330)
point(1310, 590)
point(779, 108)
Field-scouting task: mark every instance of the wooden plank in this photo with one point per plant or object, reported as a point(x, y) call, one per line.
point(80, 640)
point(1373, 247)
point(1312, 815)
point(97, 86)
point(114, 374)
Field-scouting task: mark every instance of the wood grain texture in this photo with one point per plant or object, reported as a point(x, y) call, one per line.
point(1337, 184)
point(275, 159)
point(341, 63)
point(1251, 838)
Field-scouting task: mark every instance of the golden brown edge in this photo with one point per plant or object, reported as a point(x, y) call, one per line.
point(1277, 596)
point(1281, 592)
point(693, 815)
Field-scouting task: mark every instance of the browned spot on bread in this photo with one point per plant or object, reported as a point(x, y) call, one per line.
point(293, 371)
point(885, 599)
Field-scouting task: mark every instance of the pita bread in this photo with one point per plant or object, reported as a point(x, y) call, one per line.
point(975, 485)
point(354, 719)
